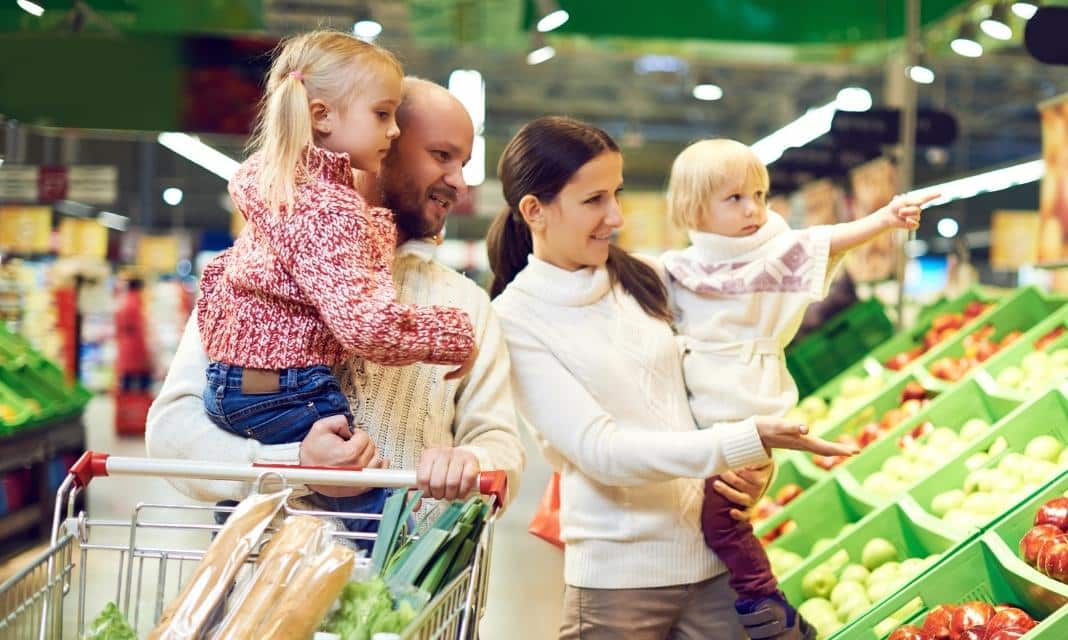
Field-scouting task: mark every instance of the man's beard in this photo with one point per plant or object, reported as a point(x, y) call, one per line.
point(407, 204)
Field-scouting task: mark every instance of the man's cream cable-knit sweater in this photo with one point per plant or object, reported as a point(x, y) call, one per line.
point(404, 409)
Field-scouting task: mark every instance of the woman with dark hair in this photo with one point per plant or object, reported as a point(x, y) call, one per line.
point(598, 377)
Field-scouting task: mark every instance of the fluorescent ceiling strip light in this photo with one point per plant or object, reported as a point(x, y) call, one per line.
point(815, 123)
point(985, 182)
point(192, 149)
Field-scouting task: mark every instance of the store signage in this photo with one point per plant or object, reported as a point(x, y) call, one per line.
point(824, 161)
point(1013, 239)
point(84, 238)
point(883, 126)
point(25, 230)
point(91, 184)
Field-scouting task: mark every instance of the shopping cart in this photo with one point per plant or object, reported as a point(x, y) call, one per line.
point(53, 596)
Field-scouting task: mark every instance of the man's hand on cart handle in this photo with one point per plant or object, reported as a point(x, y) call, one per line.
point(447, 473)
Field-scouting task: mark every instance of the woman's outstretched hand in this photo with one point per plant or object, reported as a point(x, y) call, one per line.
point(779, 433)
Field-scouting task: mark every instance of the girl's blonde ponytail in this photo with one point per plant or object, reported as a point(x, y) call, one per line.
point(329, 65)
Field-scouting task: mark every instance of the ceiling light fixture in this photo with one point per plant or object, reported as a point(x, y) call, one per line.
point(966, 43)
point(815, 123)
point(1025, 10)
point(31, 8)
point(552, 16)
point(173, 196)
point(997, 25)
point(192, 149)
point(921, 73)
point(948, 228)
point(985, 182)
point(707, 92)
point(367, 30)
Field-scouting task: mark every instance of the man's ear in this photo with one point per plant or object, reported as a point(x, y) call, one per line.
point(321, 116)
point(532, 211)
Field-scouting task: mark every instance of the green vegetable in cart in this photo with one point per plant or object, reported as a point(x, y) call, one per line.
point(110, 625)
point(366, 608)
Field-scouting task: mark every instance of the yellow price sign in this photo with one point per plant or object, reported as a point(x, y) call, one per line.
point(158, 254)
point(82, 238)
point(26, 229)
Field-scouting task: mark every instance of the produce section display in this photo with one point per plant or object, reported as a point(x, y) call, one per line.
point(963, 429)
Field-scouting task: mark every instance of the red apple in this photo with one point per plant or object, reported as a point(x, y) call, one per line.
point(869, 434)
point(974, 309)
point(1010, 618)
point(1054, 512)
point(898, 362)
point(972, 633)
point(1053, 557)
point(787, 527)
point(938, 621)
point(913, 391)
point(1033, 540)
point(1014, 633)
point(968, 615)
point(909, 632)
point(1049, 338)
point(787, 494)
point(1010, 337)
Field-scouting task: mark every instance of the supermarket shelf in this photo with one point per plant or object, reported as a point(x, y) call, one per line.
point(19, 521)
point(29, 446)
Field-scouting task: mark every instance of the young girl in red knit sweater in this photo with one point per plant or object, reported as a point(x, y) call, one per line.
point(309, 283)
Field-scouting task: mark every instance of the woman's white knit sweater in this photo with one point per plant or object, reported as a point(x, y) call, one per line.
point(600, 383)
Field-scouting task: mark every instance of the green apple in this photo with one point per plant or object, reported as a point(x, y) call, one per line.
point(1006, 484)
point(898, 467)
point(814, 406)
point(855, 573)
point(1035, 361)
point(982, 504)
point(1010, 378)
point(845, 590)
point(882, 484)
point(853, 387)
point(976, 461)
point(837, 560)
point(941, 437)
point(973, 429)
point(1014, 464)
point(818, 582)
point(1044, 447)
point(998, 446)
point(821, 544)
point(930, 560)
point(1039, 472)
point(816, 607)
point(1062, 460)
point(962, 520)
point(877, 552)
point(980, 480)
point(854, 608)
point(946, 501)
point(912, 451)
point(889, 572)
point(880, 590)
point(912, 567)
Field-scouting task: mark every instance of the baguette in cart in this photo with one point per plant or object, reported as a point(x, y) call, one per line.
point(270, 571)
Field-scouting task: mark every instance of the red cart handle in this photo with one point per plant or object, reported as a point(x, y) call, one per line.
point(90, 465)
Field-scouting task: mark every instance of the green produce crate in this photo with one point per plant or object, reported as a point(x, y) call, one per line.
point(840, 342)
point(1014, 355)
point(787, 471)
point(1047, 414)
point(961, 403)
point(1021, 312)
point(15, 350)
point(874, 361)
point(873, 411)
point(26, 382)
point(914, 534)
point(1012, 527)
point(822, 511)
point(976, 571)
point(46, 373)
point(956, 305)
point(20, 413)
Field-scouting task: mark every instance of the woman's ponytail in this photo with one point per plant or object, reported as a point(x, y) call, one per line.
point(508, 243)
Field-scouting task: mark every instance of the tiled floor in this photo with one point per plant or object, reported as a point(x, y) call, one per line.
point(525, 587)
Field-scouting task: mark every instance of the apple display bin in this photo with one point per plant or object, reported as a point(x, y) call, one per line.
point(982, 569)
point(820, 512)
point(15, 349)
point(841, 341)
point(787, 471)
point(1021, 312)
point(1017, 522)
point(874, 362)
point(1045, 415)
point(872, 411)
point(1016, 352)
point(914, 533)
point(961, 403)
point(956, 305)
